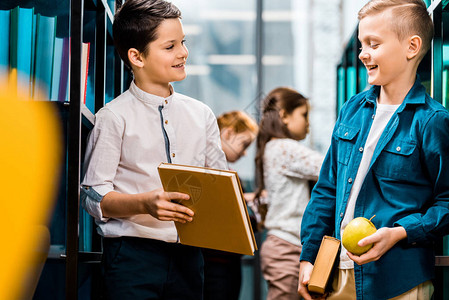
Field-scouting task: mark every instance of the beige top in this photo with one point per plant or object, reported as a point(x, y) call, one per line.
point(288, 165)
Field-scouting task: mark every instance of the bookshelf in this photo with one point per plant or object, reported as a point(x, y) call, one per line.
point(91, 22)
point(45, 49)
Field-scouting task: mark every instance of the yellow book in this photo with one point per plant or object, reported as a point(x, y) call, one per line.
point(324, 264)
point(221, 218)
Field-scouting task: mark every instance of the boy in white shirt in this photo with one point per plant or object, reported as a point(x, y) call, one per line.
point(148, 124)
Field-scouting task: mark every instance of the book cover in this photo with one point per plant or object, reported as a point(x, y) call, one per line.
point(221, 218)
point(85, 230)
point(64, 80)
point(56, 70)
point(324, 264)
point(4, 46)
point(85, 50)
point(45, 38)
point(33, 53)
point(21, 37)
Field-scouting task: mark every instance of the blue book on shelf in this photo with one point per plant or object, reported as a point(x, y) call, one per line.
point(88, 68)
point(33, 53)
point(111, 4)
point(4, 46)
point(63, 94)
point(56, 72)
point(21, 36)
point(90, 94)
point(45, 38)
point(85, 236)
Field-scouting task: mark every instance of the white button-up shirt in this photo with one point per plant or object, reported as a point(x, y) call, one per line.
point(128, 143)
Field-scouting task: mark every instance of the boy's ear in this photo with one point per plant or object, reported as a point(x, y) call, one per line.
point(414, 46)
point(135, 57)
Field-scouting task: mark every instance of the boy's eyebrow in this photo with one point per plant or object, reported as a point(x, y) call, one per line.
point(173, 41)
point(369, 37)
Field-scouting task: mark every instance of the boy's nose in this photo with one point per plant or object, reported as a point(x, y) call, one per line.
point(184, 52)
point(363, 55)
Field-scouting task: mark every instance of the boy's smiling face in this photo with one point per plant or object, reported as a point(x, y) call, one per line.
point(167, 55)
point(383, 54)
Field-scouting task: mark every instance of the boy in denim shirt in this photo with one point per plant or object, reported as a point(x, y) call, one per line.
point(389, 157)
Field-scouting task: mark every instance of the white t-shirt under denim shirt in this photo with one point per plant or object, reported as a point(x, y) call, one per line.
point(288, 165)
point(127, 144)
point(382, 116)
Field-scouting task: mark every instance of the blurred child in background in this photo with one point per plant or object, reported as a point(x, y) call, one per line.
point(284, 168)
point(222, 270)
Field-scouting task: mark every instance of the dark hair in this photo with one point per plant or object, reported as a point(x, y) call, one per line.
point(271, 126)
point(136, 22)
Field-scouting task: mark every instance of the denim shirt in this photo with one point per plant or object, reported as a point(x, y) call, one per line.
point(407, 185)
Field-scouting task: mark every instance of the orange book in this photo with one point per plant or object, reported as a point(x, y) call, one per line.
point(221, 218)
point(325, 263)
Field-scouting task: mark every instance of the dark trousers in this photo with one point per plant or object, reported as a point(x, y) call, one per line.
point(136, 268)
point(222, 275)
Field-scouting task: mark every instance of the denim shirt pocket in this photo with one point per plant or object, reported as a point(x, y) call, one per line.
point(398, 160)
point(346, 138)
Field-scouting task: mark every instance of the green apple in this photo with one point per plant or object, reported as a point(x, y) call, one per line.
point(356, 230)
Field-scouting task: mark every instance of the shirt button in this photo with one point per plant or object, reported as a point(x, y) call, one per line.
point(361, 149)
point(341, 215)
point(350, 180)
point(166, 121)
point(372, 117)
point(173, 154)
point(346, 134)
point(398, 148)
point(166, 101)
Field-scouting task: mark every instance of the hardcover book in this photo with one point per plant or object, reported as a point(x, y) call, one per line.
point(324, 265)
point(4, 46)
point(56, 68)
point(221, 218)
point(20, 49)
point(64, 80)
point(43, 67)
point(85, 50)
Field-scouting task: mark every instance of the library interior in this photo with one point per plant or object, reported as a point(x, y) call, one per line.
point(56, 52)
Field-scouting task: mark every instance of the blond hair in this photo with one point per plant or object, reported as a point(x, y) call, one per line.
point(238, 121)
point(409, 17)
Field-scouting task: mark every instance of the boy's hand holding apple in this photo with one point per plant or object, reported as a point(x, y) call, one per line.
point(367, 244)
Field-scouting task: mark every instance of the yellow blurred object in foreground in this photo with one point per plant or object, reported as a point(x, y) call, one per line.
point(30, 157)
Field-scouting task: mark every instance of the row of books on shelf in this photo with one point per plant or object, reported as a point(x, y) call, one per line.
point(36, 62)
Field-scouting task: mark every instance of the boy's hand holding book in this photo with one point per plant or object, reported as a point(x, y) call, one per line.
point(162, 205)
point(315, 280)
point(157, 203)
point(305, 270)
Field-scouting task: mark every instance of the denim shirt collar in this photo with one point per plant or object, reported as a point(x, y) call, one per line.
point(416, 95)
